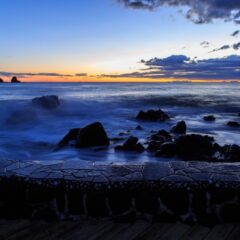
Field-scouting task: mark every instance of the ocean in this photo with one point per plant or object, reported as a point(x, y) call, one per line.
point(29, 133)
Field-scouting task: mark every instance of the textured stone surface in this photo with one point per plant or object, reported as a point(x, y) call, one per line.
point(176, 171)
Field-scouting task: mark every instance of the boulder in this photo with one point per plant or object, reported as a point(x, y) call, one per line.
point(131, 144)
point(195, 147)
point(233, 124)
point(89, 136)
point(48, 102)
point(154, 145)
point(180, 128)
point(153, 115)
point(70, 137)
point(167, 150)
point(209, 118)
point(231, 153)
point(1, 80)
point(238, 114)
point(15, 80)
point(162, 136)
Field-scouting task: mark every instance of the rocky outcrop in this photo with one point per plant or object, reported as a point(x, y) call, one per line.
point(230, 153)
point(1, 80)
point(195, 147)
point(209, 118)
point(180, 128)
point(15, 80)
point(131, 144)
point(167, 150)
point(89, 136)
point(153, 115)
point(47, 102)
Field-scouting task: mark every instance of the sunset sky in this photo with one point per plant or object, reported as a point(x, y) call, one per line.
point(126, 40)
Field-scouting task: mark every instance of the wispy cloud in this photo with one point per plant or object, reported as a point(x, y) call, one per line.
point(40, 74)
point(199, 12)
point(183, 67)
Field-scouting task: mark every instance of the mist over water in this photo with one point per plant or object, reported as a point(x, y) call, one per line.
point(31, 133)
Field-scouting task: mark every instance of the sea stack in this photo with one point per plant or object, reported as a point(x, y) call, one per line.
point(15, 80)
point(1, 80)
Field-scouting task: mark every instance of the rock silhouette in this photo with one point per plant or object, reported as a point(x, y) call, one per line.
point(15, 80)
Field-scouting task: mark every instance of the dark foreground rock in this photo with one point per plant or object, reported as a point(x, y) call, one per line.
point(48, 102)
point(195, 147)
point(209, 118)
point(131, 144)
point(89, 136)
point(167, 150)
point(15, 80)
point(230, 153)
point(153, 115)
point(180, 128)
point(233, 124)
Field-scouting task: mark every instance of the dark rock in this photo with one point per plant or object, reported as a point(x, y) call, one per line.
point(167, 150)
point(162, 136)
point(71, 136)
point(48, 102)
point(116, 139)
point(154, 145)
point(89, 136)
point(15, 80)
point(180, 128)
point(92, 135)
point(209, 118)
point(231, 153)
point(233, 124)
point(1, 80)
point(139, 128)
point(131, 144)
point(195, 147)
point(238, 114)
point(153, 115)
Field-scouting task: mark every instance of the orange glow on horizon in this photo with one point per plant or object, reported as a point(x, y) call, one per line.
point(107, 79)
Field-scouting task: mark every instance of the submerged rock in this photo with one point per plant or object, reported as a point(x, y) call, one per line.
point(153, 115)
point(209, 118)
point(48, 102)
point(233, 124)
point(180, 128)
point(139, 128)
point(89, 136)
point(131, 144)
point(15, 80)
point(195, 147)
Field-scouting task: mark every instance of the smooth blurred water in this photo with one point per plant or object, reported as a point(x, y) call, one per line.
point(30, 133)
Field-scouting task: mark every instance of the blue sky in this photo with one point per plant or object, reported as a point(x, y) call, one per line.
point(99, 36)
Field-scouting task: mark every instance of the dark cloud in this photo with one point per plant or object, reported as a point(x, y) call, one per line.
point(198, 11)
point(236, 46)
point(81, 74)
point(224, 47)
point(235, 33)
point(182, 67)
point(205, 44)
